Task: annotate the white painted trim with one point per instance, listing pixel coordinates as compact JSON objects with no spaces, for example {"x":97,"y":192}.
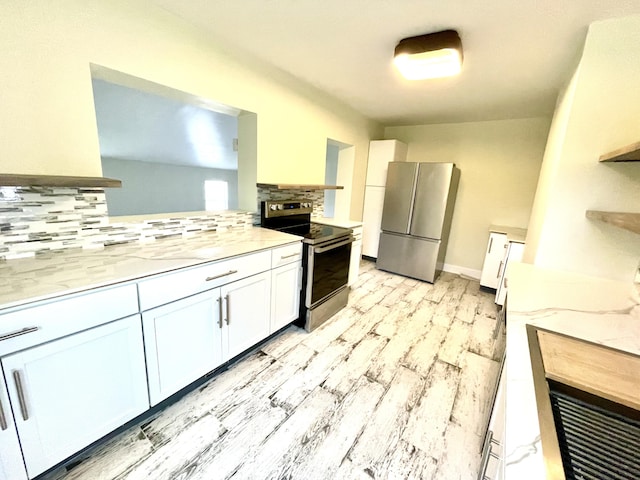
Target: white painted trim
{"x":467,"y":272}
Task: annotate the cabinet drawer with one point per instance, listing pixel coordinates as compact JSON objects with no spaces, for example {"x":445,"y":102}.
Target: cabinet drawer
{"x":285,"y":255}
{"x":44,"y":322}
{"x":166,"y":288}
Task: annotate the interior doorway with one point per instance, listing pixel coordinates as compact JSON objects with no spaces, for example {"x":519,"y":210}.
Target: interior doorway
{"x":338,"y":171}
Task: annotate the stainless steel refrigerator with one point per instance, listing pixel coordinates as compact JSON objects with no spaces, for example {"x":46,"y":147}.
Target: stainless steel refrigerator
{"x":416,"y":218}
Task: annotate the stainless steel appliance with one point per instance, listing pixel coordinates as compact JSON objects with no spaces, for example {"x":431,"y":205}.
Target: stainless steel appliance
{"x":416,"y":218}
{"x":325,"y":261}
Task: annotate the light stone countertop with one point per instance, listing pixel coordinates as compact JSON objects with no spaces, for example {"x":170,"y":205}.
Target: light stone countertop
{"x":594,"y":309}
{"x":336,"y":222}
{"x":62,"y":272}
{"x":514,"y":234}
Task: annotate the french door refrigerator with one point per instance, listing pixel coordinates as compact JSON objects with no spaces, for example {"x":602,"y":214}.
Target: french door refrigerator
{"x":416,"y":218}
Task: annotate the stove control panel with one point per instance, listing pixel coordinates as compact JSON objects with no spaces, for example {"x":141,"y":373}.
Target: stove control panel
{"x":281,"y":208}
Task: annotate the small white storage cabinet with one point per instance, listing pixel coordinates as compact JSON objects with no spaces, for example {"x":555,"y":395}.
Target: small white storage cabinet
{"x":494,"y":260}
{"x":68,"y":391}
{"x":286,"y":282}
{"x":228,"y":312}
{"x":506,"y":244}
{"x":513,"y":254}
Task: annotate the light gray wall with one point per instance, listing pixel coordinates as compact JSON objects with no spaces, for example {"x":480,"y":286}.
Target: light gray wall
{"x":161,"y":188}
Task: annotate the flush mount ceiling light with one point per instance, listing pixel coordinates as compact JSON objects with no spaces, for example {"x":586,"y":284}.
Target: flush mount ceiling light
{"x":432,"y":55}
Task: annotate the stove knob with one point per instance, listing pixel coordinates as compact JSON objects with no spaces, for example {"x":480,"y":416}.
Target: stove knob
{"x":280,"y":206}
{"x":273,"y":207}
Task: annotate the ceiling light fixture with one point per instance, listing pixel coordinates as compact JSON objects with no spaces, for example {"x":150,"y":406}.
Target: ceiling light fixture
{"x":432,"y":55}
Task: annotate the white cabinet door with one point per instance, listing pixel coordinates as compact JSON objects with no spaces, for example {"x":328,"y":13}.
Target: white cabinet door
{"x":381,"y":152}
{"x":515,"y":251}
{"x":285,"y":295}
{"x":11,"y":464}
{"x":74,"y":390}
{"x":246,"y":313}
{"x":494,"y":260}
{"x":371,"y":220}
{"x":183,"y":342}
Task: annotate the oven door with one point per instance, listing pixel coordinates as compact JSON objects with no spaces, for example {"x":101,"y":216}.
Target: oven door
{"x":328,"y":269}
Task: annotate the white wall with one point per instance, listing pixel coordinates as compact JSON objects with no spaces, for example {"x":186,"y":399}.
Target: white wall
{"x":598,"y":112}
{"x":499,"y":163}
{"x":47,"y":121}
{"x":161,"y":188}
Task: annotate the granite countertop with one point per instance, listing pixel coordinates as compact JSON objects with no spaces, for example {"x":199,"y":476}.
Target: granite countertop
{"x":63,"y":272}
{"x":336,"y":222}
{"x":602,"y":311}
{"x":514,"y":234}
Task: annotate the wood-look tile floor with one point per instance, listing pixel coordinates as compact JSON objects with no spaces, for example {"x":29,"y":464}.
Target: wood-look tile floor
{"x":396,"y":386}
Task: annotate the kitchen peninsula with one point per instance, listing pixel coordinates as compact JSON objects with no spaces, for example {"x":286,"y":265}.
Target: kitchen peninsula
{"x":90,"y":339}
{"x":600,"y":311}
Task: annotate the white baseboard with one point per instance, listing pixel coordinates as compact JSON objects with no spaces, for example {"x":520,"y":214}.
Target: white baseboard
{"x":467,"y":272}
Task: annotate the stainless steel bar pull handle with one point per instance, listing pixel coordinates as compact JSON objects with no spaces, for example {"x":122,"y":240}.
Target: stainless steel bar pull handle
{"x":220,"y":312}
{"x":490,"y":244}
{"x":3,"y":419}
{"x":215,"y":277}
{"x":17,"y":333}
{"x":332,"y":246}
{"x":499,"y":269}
{"x":21,"y":397}
{"x":282,"y":257}
{"x":228,"y":309}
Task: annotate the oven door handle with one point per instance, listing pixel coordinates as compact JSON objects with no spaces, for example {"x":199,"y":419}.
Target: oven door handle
{"x":332,"y":246}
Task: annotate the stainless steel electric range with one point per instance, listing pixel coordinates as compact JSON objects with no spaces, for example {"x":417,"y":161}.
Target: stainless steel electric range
{"x":325,"y":260}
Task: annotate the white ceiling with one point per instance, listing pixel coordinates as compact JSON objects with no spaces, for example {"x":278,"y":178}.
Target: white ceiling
{"x":517,"y":54}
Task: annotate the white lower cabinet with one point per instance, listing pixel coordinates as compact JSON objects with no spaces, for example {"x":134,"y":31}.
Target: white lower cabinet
{"x":285,"y":295}
{"x":247,"y":313}
{"x":72,"y":391}
{"x":183,"y":342}
{"x":11,"y":464}
{"x":188,"y":338}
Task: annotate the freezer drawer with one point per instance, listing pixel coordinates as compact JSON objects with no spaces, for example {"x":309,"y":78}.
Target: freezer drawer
{"x":410,"y":256}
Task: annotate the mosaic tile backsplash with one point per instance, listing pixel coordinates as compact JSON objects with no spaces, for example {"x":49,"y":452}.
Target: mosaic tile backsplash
{"x":37,"y":219}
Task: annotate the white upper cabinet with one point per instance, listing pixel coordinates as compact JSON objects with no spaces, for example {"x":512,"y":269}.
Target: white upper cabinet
{"x":381,"y":152}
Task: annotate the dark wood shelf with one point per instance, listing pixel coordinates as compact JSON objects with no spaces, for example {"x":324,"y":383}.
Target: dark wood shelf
{"x":626,"y":220}
{"x":288,"y":186}
{"x":630,"y":153}
{"x":11,"y":180}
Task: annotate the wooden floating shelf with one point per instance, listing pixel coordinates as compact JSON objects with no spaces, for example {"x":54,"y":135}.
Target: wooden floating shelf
{"x":630,"y":153}
{"x":625,"y":220}
{"x":11,"y":180}
{"x":288,"y":186}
